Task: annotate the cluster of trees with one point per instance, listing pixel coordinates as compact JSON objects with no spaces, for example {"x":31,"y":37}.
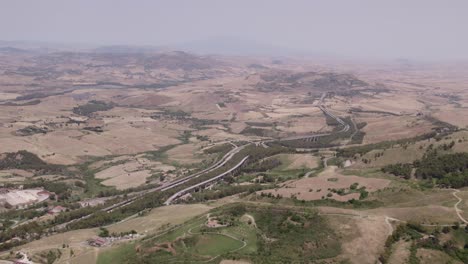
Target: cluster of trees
{"x":408,"y":232}
{"x":104,"y":232}
{"x":26,"y":214}
{"x":31,"y":130}
{"x":267,"y":178}
{"x":455,"y":180}
{"x":259,"y":124}
{"x":264,"y":165}
{"x":5,"y":224}
{"x":186,"y":117}
{"x":28,"y":161}
{"x":353,"y":188}
{"x":224,"y":191}
{"x":358,"y":137}
{"x":363,"y":194}
{"x":436,"y":166}
{"x":223,"y":148}
{"x":351,"y":152}
{"x":255,"y":131}
{"x":33,"y":102}
{"x":31,"y":96}
{"x":450,"y":170}
{"x":91,"y":107}
{"x":270,"y":195}
{"x":439,"y":124}
{"x":100,"y":218}
{"x":65,"y":217}
{"x":257,"y":153}
{"x":399,"y":169}
{"x":179,"y":114}
{"x":202,"y":138}
{"x":361,"y":125}
{"x":20,"y":234}
{"x":236,"y":210}
{"x":449,"y":146}
{"x":53,"y":255}
{"x":296,"y":233}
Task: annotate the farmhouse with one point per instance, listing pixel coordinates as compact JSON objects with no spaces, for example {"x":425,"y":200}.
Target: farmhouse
{"x":56,"y":209}
{"x":97,"y":242}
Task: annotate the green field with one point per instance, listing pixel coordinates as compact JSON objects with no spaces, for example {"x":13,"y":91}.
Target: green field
{"x":258,"y":234}
{"x":124,"y":254}
{"x":213,"y":245}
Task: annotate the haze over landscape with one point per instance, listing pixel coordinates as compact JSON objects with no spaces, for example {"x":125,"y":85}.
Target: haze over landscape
{"x":233,"y":132}
{"x":421,"y":29}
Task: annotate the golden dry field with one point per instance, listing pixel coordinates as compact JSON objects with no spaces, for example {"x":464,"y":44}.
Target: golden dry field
{"x":117,"y":128}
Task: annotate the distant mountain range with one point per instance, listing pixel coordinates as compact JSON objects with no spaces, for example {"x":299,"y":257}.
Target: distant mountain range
{"x":218,"y":45}
{"x":234,"y":46}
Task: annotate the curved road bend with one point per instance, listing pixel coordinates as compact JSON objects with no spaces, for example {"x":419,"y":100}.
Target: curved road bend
{"x":182,"y":192}
{"x":217,"y":165}
{"x":327,"y":112}
{"x":168,"y":186}
{"x":178,"y":182}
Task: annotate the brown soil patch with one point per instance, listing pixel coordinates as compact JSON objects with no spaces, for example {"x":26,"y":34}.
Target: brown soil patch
{"x":400,"y":252}
{"x":173,"y":214}
{"x":424,"y":214}
{"x":381,"y":128}
{"x":129,"y":180}
{"x":298,"y":161}
{"x":454,"y":116}
{"x":132,"y":173}
{"x":184,"y":154}
{"x":317,"y":187}
{"x":365,"y":238}
{"x":145,"y":100}
{"x":429,"y":256}
{"x":394,"y":103}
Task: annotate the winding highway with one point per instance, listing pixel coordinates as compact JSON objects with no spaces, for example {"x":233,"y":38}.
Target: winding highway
{"x":180,"y":181}
{"x":203,"y":183}
{"x":134,"y":196}
{"x":224,"y":160}
{"x":314,"y":137}
{"x":217,"y":165}
{"x":227,"y":157}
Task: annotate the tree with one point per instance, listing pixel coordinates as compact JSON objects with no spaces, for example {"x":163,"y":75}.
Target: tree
{"x":445,"y":230}
{"x":103,"y":232}
{"x":363,"y":194}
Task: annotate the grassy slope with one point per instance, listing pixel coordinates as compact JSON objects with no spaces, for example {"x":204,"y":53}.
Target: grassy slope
{"x":276,"y":238}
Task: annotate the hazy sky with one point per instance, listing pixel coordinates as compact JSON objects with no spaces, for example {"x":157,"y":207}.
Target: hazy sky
{"x":366,"y":28}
